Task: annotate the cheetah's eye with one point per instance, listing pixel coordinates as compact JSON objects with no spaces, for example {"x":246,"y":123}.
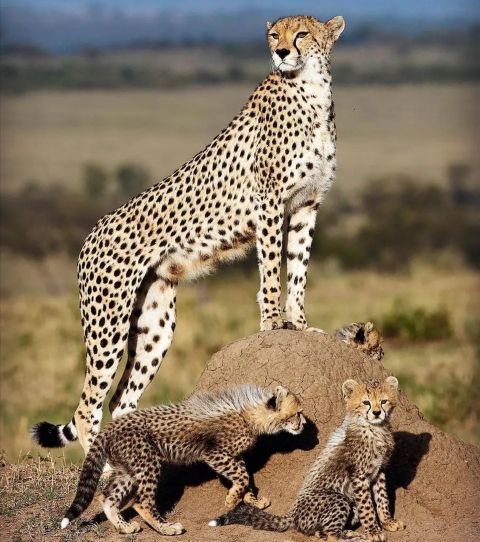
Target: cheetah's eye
{"x":274,"y":35}
{"x":302,"y":34}
{"x":366,"y":403}
{"x":383,"y":401}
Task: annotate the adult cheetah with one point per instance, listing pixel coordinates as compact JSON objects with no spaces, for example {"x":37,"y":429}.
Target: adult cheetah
{"x":272,"y":164}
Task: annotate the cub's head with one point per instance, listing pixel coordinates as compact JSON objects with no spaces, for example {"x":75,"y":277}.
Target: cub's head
{"x":372,"y":400}
{"x":280,"y":412}
{"x":295,"y":40}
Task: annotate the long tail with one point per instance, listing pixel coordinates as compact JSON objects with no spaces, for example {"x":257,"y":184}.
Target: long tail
{"x":49,"y":435}
{"x":89,"y":477}
{"x":245,"y":514}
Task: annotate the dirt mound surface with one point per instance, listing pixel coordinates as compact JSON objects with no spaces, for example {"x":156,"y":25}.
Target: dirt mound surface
{"x":434,"y":479}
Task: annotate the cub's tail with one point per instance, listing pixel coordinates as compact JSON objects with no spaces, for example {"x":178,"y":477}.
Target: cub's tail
{"x":49,"y":435}
{"x":91,"y":471}
{"x":245,"y":514}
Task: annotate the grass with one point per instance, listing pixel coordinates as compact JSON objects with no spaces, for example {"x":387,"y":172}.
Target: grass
{"x":42,"y":357}
{"x":411,"y":129}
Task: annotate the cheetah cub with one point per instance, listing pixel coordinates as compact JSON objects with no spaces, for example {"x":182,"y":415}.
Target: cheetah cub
{"x":364,"y":337}
{"x":215,"y":428}
{"x":348,"y":477}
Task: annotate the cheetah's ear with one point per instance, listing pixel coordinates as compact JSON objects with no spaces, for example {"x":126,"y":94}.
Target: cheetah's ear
{"x":279,"y":394}
{"x":369,"y":327}
{"x":335,"y":26}
{"x":348,"y":387}
{"x":392,"y":382}
{"x":269,"y":25}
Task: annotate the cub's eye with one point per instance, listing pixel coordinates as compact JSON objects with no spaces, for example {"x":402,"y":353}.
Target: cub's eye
{"x":302,"y":34}
{"x":366,"y":402}
{"x":274,"y":35}
{"x":383,"y":401}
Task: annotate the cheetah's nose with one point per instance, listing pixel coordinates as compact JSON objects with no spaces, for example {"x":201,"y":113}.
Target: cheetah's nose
{"x":376,"y":413}
{"x":282,"y":53}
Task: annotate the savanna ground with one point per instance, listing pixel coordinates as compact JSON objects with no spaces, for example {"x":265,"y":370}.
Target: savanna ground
{"x":46,"y":139}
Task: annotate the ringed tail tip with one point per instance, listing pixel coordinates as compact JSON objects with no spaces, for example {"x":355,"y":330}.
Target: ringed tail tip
{"x":65,"y":523}
{"x":49,"y":435}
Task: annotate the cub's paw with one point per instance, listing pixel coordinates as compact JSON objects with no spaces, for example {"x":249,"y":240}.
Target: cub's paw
{"x":393,"y":525}
{"x":130,"y":528}
{"x":376,"y":536}
{"x":271,"y":323}
{"x":231,"y":501}
{"x":260,"y":503}
{"x":171,"y":529}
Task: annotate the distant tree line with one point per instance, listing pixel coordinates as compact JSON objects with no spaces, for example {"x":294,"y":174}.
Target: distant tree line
{"x":26,"y":68}
{"x":399,"y":218}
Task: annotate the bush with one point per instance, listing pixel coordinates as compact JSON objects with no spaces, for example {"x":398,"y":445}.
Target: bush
{"x":416,"y":323}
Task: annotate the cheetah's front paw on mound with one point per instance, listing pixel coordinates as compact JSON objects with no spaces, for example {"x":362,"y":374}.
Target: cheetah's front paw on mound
{"x":393,"y":525}
{"x":260,"y":503}
{"x":271,"y":323}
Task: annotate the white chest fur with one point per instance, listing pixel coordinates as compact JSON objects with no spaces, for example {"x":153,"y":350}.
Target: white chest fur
{"x":317,"y":170}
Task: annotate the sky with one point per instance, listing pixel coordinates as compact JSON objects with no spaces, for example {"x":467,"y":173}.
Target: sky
{"x":67,"y":25}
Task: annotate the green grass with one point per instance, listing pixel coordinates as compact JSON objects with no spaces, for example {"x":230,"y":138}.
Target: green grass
{"x":42,"y":357}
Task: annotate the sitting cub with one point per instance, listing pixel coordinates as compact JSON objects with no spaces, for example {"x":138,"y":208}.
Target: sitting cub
{"x":348,"y":477}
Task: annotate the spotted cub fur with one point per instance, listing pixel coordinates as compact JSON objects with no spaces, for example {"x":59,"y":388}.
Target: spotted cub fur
{"x":348,"y":477}
{"x":364,"y":337}
{"x":215,"y":428}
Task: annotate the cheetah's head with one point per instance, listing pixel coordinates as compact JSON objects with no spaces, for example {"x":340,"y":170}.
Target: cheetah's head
{"x":280,"y":412}
{"x":295,"y":40}
{"x":372,"y":400}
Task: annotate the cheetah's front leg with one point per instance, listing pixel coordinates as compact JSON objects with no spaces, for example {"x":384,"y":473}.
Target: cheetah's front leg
{"x":366,"y":509}
{"x":300,"y":235}
{"x":383,"y":510}
{"x":235,"y":470}
{"x":270,"y":212}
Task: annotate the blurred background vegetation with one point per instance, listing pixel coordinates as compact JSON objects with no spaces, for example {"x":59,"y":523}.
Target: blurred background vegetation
{"x":100,"y":101}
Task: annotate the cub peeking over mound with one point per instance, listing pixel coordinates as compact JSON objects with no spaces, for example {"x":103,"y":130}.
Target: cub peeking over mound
{"x":215,"y":428}
{"x":348,"y":477}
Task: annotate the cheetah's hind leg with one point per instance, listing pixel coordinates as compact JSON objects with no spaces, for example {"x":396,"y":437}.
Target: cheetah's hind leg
{"x":118,"y":495}
{"x":147,"y":469}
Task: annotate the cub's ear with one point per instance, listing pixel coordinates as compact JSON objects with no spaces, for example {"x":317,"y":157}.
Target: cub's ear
{"x":360,"y":335}
{"x":348,"y":387}
{"x":279,"y":394}
{"x":369,"y":327}
{"x":392,"y":382}
{"x":335,"y":26}
{"x":269,"y":25}
{"x":271,"y":404}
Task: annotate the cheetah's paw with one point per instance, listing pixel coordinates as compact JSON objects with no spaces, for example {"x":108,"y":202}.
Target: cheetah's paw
{"x":260,"y":503}
{"x":271,"y":323}
{"x":130,"y":528}
{"x":171,"y":529}
{"x":393,"y":525}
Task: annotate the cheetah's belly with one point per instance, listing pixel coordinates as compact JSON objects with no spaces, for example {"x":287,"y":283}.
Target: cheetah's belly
{"x":201,"y":255}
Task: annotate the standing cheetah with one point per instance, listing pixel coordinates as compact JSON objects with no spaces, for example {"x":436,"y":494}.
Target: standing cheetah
{"x":216,"y":428}
{"x":272,"y":165}
{"x":348,"y":477}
